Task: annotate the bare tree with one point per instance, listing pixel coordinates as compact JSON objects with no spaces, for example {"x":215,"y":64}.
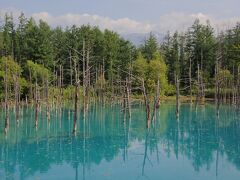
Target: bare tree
{"x":177,"y":97}
{"x":17,"y":95}
{"x":6,"y":99}
{"x":128,"y":90}
{"x":156,"y":101}
{"x":36,"y":98}
{"x":77,"y":82}
{"x":47,"y":100}
{"x":190,"y":79}
{"x":147,"y":104}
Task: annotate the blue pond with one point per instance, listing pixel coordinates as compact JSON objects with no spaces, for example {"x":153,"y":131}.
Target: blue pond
{"x":198,"y":146}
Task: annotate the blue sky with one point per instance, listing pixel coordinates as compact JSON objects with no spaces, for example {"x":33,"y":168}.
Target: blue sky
{"x":128,"y":16}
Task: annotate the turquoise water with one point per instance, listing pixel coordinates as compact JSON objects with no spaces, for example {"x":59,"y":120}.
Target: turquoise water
{"x":198,"y":146}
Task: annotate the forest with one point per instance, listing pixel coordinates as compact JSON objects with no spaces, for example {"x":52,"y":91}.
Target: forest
{"x":46,"y":66}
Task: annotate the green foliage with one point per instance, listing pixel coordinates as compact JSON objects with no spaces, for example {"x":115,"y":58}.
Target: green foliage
{"x":13,"y":72}
{"x":38,"y":71}
{"x":230,"y":47}
{"x":175,"y":55}
{"x":225,"y":78}
{"x":140,"y":66}
{"x":170,"y":90}
{"x":13,"y":69}
{"x":111,"y":41}
{"x":152,"y":71}
{"x":150,"y":47}
{"x":193,"y":48}
{"x":8,"y":35}
{"x":201,"y":45}
{"x":158,"y":70}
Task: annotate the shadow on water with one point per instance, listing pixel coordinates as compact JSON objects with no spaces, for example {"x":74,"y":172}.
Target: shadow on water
{"x":106,"y":146}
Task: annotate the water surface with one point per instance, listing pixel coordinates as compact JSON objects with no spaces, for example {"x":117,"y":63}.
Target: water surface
{"x":198,"y":146}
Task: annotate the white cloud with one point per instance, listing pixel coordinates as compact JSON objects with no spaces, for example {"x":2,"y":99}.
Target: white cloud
{"x":172,"y":21}
{"x":181,"y":21}
{"x":122,"y":25}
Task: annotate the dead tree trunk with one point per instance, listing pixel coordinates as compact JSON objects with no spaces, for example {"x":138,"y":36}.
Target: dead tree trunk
{"x":238,"y":87}
{"x":202,"y":95}
{"x":124,"y":100}
{"x":217,"y":89}
{"x":71,"y":74}
{"x":84,"y":72}
{"x":17,"y":89}
{"x":198,"y":86}
{"x":103,"y":84}
{"x":87,"y":80}
{"x":76,"y":107}
{"x":36,"y":104}
{"x":61,"y":79}
{"x":31,"y":86}
{"x":47,"y":102}
{"x":177,"y":97}
{"x":76,"y":98}
{"x":201,"y":84}
{"x":190,"y":80}
{"x":128,"y":98}
{"x":216,"y":84}
{"x":6,"y":99}
{"x":147,"y":104}
{"x":156,"y":101}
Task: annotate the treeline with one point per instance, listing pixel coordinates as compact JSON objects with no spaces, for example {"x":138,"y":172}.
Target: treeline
{"x":37,"y":60}
{"x":206,"y":61}
{"x":57,"y":51}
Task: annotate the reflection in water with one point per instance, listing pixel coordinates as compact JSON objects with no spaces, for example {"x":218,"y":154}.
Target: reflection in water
{"x":199,"y":145}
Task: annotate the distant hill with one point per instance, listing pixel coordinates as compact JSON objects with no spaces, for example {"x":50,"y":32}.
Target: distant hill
{"x":138,"y":38}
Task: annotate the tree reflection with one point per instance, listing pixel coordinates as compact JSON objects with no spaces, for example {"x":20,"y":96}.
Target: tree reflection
{"x":200,"y":136}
